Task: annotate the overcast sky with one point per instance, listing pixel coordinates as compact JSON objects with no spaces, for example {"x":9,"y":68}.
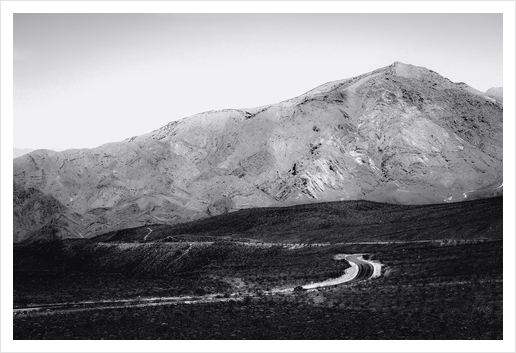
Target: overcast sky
{"x":81,"y":80}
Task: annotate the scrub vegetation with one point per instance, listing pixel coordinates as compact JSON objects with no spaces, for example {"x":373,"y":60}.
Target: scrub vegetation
{"x":449,"y":287}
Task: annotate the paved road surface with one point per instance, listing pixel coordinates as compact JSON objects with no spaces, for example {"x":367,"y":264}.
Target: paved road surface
{"x":365,"y":269}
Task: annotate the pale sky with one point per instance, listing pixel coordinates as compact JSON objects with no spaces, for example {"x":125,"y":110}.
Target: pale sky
{"x":82,"y":80}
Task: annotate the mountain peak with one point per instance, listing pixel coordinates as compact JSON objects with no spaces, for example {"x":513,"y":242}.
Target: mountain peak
{"x":399,"y":63}
{"x":409,"y":71}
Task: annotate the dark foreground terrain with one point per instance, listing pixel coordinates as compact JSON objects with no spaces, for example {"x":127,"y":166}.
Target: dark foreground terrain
{"x":446,"y":284}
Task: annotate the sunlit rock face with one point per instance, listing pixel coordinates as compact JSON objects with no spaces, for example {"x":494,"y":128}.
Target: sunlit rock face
{"x":401,"y":134}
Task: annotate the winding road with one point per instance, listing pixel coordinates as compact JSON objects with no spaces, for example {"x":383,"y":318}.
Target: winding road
{"x":145,"y":237}
{"x":360,"y":270}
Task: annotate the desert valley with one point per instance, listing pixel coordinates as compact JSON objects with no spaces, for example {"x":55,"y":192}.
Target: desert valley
{"x":367,"y":208}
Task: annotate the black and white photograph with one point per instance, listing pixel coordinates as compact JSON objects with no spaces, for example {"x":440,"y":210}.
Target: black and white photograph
{"x":291,"y":173}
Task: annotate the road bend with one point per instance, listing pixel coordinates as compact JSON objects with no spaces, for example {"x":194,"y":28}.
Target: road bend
{"x":365,"y":268}
{"x":360,"y":270}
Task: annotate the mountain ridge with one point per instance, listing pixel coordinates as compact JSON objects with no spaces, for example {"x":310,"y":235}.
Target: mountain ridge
{"x":401,"y":133}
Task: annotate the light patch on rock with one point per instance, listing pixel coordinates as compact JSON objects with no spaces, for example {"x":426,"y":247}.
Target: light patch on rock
{"x":459,"y":138}
{"x":373,"y":165}
{"x":179,"y":148}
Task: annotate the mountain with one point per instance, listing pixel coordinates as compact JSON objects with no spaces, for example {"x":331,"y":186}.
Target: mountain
{"x":399,"y":134}
{"x":37,"y":216}
{"x":17,"y":152}
{"x":496,"y":93}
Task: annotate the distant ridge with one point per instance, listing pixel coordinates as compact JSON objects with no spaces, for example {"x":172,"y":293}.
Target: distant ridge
{"x":17,"y":152}
{"x":496,"y":93}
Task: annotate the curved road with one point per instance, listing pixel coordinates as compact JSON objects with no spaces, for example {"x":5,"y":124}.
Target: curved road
{"x":360,"y":270}
{"x":365,"y":269}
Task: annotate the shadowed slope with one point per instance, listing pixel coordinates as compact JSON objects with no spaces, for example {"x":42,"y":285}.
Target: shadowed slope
{"x":346,"y":221}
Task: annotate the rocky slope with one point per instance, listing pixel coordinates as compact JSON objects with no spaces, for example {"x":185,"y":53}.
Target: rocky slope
{"x":401,"y":134}
{"x":39,"y":216}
